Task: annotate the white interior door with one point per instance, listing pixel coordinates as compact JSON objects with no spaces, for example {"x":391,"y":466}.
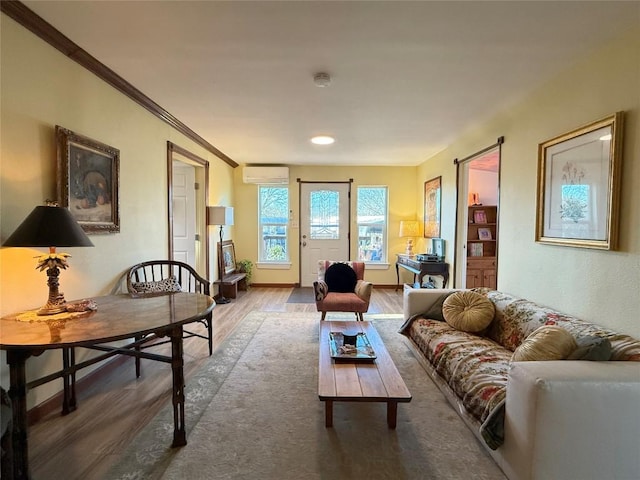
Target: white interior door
{"x":184,"y":213}
{"x":324,"y":226}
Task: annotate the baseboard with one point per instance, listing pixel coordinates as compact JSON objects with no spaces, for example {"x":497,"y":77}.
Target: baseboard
{"x":297,"y":285}
{"x":54,"y":403}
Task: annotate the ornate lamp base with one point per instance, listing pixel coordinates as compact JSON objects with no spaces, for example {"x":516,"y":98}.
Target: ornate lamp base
{"x":56,"y":302}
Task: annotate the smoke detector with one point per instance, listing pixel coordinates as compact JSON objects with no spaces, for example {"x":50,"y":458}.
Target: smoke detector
{"x":322,"y":79}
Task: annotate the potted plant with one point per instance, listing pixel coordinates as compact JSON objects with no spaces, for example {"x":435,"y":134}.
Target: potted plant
{"x":245,"y":266}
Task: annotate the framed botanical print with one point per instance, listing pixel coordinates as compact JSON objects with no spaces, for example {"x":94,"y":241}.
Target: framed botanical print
{"x":432,"y":196}
{"x":579,"y":186}
{"x":88,"y":181}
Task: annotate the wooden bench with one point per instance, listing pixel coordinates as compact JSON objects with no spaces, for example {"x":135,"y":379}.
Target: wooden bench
{"x":230,"y":284}
{"x":230,"y":278}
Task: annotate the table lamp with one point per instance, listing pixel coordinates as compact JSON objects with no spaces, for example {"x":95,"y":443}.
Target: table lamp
{"x":50,"y":226}
{"x":220,"y":216}
{"x":409,"y":229}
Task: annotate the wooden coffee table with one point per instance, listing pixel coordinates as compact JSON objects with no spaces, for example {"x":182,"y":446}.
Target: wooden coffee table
{"x":374,"y":381}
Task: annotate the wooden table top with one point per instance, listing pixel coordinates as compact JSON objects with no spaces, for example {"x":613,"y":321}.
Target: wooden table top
{"x":117,"y":317}
{"x":358,"y":381}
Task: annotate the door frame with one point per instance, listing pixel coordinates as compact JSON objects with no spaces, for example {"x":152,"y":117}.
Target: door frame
{"x":462,"y":226}
{"x":179,"y":154}
{"x":300,"y":182}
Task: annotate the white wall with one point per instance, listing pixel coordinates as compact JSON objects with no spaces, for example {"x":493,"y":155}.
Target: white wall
{"x":485,"y":184}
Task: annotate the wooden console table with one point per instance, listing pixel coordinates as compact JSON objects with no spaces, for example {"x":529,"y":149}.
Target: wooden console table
{"x":409,"y":262}
{"x":119,"y":317}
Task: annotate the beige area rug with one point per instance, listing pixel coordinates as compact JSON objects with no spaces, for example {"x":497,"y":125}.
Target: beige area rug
{"x":253,"y":413}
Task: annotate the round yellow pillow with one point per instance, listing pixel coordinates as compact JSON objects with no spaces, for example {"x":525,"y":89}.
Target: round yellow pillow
{"x":548,"y":342}
{"x":468,"y":311}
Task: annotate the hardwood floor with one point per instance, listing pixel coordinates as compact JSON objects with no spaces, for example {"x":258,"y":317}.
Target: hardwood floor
{"x":85,"y":443}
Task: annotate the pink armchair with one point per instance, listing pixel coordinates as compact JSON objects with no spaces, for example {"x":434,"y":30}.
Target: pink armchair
{"x":341,"y":288}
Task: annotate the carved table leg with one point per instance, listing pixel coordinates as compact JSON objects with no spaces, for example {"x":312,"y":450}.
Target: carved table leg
{"x":69,"y":403}
{"x":177,"y":363}
{"x":18,"y":395}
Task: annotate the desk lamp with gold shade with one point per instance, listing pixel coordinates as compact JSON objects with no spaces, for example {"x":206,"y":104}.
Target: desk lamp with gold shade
{"x":50,"y":226}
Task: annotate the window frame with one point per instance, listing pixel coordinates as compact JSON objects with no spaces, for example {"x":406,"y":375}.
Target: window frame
{"x":384,"y":257}
{"x":261,"y":250}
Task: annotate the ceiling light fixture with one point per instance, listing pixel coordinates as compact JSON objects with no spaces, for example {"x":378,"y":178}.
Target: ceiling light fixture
{"x":322,"y":140}
{"x":322,"y":79}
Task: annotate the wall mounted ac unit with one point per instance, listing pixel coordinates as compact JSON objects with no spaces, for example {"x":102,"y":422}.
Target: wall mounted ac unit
{"x":266,"y":175}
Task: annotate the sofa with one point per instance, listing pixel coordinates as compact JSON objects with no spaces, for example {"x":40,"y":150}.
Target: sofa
{"x":562,"y":419}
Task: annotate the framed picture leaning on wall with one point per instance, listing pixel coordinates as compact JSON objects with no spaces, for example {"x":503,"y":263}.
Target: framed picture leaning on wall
{"x":88,"y":181}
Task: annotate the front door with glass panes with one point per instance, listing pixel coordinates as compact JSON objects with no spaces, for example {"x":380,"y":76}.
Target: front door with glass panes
{"x":324,"y":226}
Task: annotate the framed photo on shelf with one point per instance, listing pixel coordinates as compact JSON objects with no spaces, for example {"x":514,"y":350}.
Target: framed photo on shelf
{"x":579,"y":186}
{"x":88,"y":180}
{"x":432,"y":197}
{"x":479,"y":216}
{"x":484,"y":234}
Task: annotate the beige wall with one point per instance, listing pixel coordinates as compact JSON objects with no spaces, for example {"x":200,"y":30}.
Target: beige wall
{"x":41,"y":88}
{"x":402,"y":201}
{"x":601,"y":286}
{"x":595,"y":285}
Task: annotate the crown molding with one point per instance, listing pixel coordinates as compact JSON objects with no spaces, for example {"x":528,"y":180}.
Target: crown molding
{"x":38,"y":26}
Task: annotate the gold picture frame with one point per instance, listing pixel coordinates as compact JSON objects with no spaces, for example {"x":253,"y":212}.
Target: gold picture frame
{"x":579,"y":186}
{"x":432,"y":207}
{"x":88,"y":181}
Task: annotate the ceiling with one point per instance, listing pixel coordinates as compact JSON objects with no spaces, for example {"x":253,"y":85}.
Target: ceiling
{"x":407,"y":78}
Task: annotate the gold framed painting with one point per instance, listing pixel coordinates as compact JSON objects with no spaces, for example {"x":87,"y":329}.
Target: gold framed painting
{"x":579,"y":186}
{"x":88,"y":181}
{"x":432,"y":208}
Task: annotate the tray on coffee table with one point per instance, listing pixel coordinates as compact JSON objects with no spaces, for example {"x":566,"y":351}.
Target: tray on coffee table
{"x":362,"y":351}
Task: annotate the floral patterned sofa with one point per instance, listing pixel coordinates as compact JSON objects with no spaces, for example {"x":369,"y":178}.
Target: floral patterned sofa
{"x":560,"y":419}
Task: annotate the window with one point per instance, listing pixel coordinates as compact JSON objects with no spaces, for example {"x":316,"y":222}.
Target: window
{"x":324,"y":215}
{"x":273,"y":216}
{"x":372,"y":224}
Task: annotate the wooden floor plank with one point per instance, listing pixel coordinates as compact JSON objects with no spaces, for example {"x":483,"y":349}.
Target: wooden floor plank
{"x":84,"y":444}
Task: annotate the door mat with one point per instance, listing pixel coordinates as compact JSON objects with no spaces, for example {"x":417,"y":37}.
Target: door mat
{"x":302,"y":295}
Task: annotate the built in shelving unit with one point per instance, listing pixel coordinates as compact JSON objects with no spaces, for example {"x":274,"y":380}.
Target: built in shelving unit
{"x":482,"y":240}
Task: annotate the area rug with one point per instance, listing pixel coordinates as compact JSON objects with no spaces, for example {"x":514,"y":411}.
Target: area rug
{"x":253,"y":412}
{"x":302,"y":295}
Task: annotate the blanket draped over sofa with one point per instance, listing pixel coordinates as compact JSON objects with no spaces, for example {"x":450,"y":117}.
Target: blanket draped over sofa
{"x":475,"y":367}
